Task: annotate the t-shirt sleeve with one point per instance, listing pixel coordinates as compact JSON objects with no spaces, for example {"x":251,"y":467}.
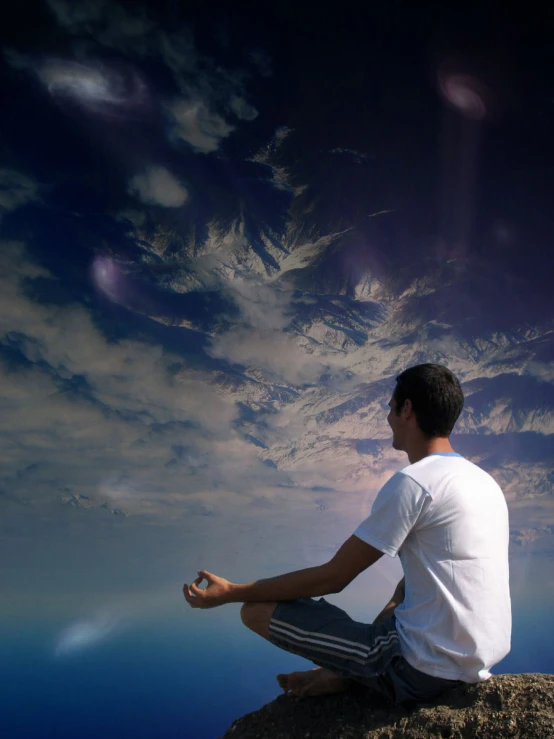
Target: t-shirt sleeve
{"x":393,"y":514}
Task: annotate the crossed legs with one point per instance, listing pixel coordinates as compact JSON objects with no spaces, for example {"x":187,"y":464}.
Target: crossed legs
{"x":298,"y":685}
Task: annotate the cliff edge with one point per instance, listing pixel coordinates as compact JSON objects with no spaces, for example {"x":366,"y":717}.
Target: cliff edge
{"x":504,"y":706}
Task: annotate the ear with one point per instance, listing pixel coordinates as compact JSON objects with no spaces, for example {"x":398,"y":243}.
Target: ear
{"x":408,"y":409}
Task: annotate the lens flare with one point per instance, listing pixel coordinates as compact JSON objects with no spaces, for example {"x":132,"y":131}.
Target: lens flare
{"x":109,"y":278}
{"x":124,"y":289}
{"x":468,"y":94}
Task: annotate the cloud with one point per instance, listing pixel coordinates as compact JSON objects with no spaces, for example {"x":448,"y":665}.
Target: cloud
{"x":115,"y":89}
{"x":206,"y":87}
{"x":242,"y":109}
{"x":262,"y":61}
{"x":92,"y":413}
{"x":109,"y":22}
{"x":357,"y":156}
{"x":262,"y":306}
{"x":157,"y":186}
{"x":257,"y":338}
{"x":75,"y":79}
{"x":194,"y":123}
{"x":274,"y":353}
{"x":16,"y":189}
{"x":85,"y":634}
{"x":542,"y":370}
{"x":126,"y":425}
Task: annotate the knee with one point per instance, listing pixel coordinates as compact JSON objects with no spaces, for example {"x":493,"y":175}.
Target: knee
{"x":247,"y":611}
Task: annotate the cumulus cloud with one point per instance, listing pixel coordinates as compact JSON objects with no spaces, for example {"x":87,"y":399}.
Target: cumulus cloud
{"x":157,"y":186}
{"x":194,"y":123}
{"x":258,"y":339}
{"x":242,"y":109}
{"x":272,"y":352}
{"x":16,"y":189}
{"x":262,"y":306}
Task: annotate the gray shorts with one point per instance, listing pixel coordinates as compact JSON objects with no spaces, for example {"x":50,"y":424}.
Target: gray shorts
{"x":328,"y":637}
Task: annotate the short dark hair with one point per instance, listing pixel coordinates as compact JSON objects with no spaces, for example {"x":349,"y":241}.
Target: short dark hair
{"x":436,"y":395}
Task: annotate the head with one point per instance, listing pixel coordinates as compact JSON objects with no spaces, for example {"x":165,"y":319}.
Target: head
{"x":425,"y":405}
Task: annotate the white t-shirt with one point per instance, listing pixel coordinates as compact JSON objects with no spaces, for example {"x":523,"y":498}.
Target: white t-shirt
{"x":447,"y":520}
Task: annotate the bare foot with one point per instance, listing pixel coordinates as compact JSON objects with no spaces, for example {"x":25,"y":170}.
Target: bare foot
{"x":318,"y":681}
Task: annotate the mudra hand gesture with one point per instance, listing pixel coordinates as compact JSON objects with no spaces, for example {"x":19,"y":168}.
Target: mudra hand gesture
{"x":216,"y":593}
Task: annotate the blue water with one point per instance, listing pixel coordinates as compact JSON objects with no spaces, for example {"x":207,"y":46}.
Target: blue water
{"x":154,"y":681}
{"x":165,"y":679}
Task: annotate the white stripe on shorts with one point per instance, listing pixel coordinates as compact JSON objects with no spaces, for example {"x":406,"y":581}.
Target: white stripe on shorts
{"x":334,"y":644}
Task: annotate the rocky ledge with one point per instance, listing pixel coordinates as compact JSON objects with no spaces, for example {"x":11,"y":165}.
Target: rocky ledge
{"x":504,"y":706}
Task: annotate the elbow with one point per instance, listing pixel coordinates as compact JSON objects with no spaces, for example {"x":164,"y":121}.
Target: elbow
{"x":338,"y":587}
{"x":331,"y":583}
{"x":333,"y":588}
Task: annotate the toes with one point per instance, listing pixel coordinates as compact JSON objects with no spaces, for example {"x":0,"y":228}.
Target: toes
{"x":294,"y":684}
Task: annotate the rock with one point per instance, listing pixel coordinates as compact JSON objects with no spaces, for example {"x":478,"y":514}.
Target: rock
{"x":503,"y":707}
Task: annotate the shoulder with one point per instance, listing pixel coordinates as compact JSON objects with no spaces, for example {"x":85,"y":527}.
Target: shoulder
{"x":400,"y":492}
{"x":401,"y":481}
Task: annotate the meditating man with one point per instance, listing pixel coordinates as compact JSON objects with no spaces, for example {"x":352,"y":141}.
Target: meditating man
{"x":449,"y":620}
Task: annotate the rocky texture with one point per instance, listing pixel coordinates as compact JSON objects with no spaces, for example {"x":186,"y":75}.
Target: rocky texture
{"x":503,"y":707}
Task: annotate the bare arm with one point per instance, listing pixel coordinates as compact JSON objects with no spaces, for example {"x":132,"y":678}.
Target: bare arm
{"x":396,"y":600}
{"x":308,"y":583}
{"x":300,"y":584}
{"x":353,"y":557}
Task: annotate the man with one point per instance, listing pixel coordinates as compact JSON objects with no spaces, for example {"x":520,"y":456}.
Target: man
{"x":449,"y":620}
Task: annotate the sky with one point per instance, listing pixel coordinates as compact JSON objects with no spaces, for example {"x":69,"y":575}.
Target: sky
{"x":223,"y":234}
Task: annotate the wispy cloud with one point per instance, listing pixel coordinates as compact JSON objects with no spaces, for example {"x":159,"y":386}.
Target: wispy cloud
{"x":110,"y":23}
{"x":16,"y":189}
{"x":85,"y":634}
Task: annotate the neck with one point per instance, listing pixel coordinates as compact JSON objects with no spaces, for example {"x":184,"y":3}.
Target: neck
{"x":428,"y":447}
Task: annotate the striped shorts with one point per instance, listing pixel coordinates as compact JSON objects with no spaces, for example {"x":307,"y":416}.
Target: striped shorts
{"x":328,"y":637}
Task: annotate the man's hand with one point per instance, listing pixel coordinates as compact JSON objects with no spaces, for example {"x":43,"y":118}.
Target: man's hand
{"x":215,"y":594}
{"x":396,"y":600}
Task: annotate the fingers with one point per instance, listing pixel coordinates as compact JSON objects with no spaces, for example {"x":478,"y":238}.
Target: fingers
{"x":193,"y":594}
{"x":189,"y":597}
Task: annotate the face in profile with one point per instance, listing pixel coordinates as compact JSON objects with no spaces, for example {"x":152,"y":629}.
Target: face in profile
{"x":392,"y":421}
{"x":395,"y":422}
